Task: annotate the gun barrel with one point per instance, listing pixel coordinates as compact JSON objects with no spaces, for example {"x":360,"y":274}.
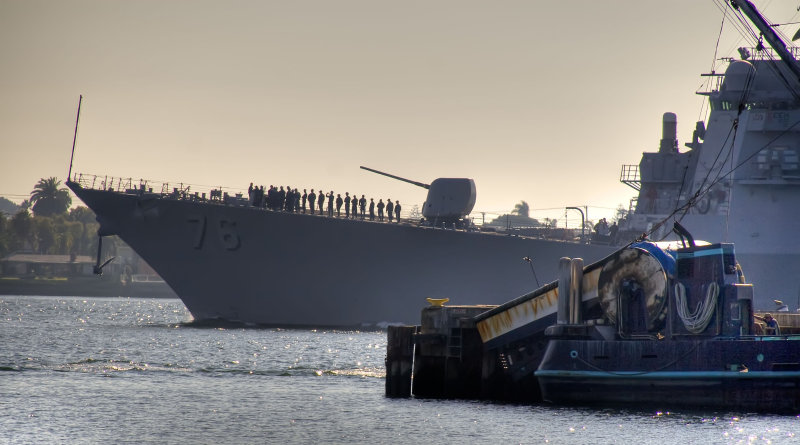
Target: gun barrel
{"x":418,"y":184}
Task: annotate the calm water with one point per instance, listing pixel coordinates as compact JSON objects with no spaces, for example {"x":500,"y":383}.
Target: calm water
{"x":76,"y":370}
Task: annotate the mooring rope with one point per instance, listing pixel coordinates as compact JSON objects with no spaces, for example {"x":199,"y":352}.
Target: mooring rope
{"x":697,"y":321}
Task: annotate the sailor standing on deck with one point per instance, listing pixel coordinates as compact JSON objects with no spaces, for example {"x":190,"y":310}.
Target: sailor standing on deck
{"x":321,"y":202}
{"x":289,"y":204}
{"x":305,"y":197}
{"x":397,"y":210}
{"x":346,"y":205}
{"x":601,"y":227}
{"x":354,"y":206}
{"x":312,"y":198}
{"x":390,"y":209}
{"x":330,"y":203}
{"x":338,"y":205}
{"x":362,"y":204}
{"x":371,"y":209}
{"x":381,"y":205}
{"x":612,"y":232}
{"x":271,"y":194}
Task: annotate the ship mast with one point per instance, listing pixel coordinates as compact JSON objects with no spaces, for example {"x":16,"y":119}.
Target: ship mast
{"x":769,"y":34}
{"x":74,"y":138}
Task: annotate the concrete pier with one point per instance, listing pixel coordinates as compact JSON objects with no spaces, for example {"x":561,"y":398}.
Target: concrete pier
{"x":488,"y":352}
{"x":446,"y":359}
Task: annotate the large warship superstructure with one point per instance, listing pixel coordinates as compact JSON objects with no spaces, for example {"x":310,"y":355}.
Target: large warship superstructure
{"x":230,"y":260}
{"x":740,"y":179}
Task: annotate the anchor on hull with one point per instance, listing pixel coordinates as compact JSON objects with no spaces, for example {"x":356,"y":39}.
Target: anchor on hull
{"x":98,"y":268}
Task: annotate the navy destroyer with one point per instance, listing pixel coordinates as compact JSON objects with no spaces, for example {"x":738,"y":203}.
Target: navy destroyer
{"x":739,"y":180}
{"x":232,"y":261}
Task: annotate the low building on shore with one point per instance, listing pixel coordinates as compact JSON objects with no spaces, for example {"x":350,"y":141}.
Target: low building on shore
{"x":34,"y":264}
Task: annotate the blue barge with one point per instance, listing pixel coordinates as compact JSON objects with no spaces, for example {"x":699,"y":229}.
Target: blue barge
{"x":686,"y":341}
{"x":652,"y":325}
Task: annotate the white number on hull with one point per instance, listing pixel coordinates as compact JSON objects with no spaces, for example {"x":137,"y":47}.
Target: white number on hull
{"x":228,"y":235}
{"x":199,"y":229}
{"x":226,"y":232}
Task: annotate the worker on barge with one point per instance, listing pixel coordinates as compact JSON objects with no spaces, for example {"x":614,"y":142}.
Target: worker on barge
{"x":770,"y":325}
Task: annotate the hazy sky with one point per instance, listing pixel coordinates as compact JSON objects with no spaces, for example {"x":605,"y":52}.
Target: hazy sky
{"x":540,"y":101}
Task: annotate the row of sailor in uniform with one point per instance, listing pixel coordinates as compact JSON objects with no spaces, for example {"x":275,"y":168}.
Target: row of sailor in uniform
{"x":290,"y":200}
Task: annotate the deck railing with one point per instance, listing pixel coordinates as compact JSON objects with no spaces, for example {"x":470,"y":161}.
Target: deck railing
{"x":161,"y":189}
{"x":232,"y":197}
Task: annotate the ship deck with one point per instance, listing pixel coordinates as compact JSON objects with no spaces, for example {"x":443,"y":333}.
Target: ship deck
{"x":226,"y":196}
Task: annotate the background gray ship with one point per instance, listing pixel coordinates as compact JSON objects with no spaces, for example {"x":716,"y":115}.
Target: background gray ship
{"x":740,"y":179}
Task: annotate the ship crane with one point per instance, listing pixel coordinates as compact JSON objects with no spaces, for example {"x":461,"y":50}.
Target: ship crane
{"x":769,"y":34}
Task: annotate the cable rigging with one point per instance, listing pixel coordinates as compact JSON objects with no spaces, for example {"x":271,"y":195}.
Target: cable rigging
{"x":716,"y":172}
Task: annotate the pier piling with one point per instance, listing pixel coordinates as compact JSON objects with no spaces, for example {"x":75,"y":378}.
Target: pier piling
{"x":399,"y":360}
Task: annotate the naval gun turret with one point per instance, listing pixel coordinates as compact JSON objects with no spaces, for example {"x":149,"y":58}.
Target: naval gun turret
{"x":449,"y":200}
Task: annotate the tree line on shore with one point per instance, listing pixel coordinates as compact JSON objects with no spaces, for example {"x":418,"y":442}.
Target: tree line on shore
{"x":45,"y":224}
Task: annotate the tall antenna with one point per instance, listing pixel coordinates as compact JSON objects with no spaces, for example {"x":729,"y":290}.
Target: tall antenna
{"x":74,"y":138}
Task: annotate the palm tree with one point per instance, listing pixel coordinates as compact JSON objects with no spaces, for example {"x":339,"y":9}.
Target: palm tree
{"x":48,"y":198}
{"x":522,"y":209}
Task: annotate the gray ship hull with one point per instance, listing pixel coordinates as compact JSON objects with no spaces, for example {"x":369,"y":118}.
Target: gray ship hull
{"x":245,"y":264}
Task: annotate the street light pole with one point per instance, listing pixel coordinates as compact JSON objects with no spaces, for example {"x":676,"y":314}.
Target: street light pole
{"x":583,"y":222}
